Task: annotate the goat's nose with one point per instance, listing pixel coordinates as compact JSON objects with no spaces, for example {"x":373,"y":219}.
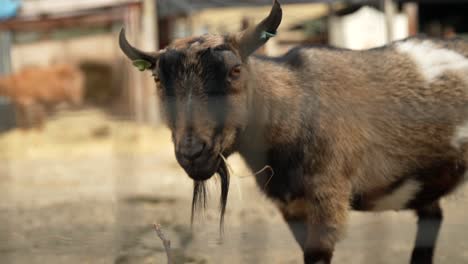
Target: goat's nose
{"x":191,"y":148}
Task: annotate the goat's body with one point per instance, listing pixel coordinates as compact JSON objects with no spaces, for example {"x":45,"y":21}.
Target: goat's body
{"x":382,"y":129}
{"x":372,"y":113}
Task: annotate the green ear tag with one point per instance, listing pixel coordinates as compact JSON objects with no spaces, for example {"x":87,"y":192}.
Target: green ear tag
{"x":142,"y":64}
{"x":267,"y":35}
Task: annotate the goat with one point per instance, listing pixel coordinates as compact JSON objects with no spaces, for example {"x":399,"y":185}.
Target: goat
{"x":34,"y":90}
{"x":373,"y":130}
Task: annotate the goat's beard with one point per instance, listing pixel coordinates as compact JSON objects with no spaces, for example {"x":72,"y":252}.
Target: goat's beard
{"x":200,"y":194}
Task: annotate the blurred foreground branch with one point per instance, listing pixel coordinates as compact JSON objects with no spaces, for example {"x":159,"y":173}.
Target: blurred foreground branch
{"x":166,"y":242}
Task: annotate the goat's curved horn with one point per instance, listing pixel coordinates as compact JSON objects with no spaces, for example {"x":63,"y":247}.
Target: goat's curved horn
{"x":135,"y":54}
{"x":253,"y":38}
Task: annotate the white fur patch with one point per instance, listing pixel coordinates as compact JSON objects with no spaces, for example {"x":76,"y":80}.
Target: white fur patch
{"x":399,"y":197}
{"x":459,"y":139}
{"x":433,"y":61}
{"x":460,"y":136}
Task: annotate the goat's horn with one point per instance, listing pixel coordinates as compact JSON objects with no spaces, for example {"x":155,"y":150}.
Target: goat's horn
{"x":253,"y":38}
{"x":133,"y":53}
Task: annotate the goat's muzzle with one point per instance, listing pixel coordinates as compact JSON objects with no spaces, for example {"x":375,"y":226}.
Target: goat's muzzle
{"x":197,"y":159}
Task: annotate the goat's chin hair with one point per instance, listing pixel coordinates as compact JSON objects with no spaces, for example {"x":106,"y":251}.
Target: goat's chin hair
{"x":200,"y":195}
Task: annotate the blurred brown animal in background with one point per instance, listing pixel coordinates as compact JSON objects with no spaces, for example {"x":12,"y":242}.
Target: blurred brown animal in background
{"x":37,"y":90}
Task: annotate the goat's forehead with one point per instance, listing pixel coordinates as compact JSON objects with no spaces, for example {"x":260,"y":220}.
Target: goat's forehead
{"x":197,"y":43}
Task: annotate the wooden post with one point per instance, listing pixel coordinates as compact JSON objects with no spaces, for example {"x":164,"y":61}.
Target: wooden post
{"x":7,"y":121}
{"x":411,"y":11}
{"x":389,"y":9}
{"x":330,"y":17}
{"x":5,"y":48}
{"x":150,"y":42}
{"x":7,"y":111}
{"x":133,"y":84}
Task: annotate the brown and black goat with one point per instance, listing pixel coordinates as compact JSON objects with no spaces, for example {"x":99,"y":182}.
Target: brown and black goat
{"x":381,"y":129}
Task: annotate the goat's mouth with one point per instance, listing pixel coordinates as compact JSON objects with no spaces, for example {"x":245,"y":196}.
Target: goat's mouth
{"x":203,"y":169}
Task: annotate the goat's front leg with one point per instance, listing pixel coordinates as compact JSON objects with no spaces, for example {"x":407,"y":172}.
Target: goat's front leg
{"x":294,"y":213}
{"x":327,"y":211}
{"x":39,"y":116}
{"x":429,"y":222}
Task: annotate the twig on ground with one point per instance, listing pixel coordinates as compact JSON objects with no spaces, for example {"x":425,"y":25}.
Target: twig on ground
{"x":166,"y":242}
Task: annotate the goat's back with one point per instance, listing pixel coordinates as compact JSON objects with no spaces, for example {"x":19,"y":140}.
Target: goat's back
{"x":389,"y":110}
{"x":48,"y":85}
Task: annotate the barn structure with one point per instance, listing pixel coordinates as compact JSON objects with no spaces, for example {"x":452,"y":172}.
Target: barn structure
{"x":48,"y":31}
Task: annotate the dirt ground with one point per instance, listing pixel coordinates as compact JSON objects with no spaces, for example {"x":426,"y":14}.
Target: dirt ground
{"x":87,"y":189}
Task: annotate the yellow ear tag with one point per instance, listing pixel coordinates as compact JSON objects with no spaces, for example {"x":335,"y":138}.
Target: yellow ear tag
{"x":142,"y":64}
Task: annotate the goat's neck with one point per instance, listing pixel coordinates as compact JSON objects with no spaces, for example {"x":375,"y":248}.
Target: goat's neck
{"x":270,"y":84}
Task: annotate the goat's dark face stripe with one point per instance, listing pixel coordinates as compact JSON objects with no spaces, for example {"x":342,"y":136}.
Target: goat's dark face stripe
{"x":214,"y":75}
{"x":170,"y":67}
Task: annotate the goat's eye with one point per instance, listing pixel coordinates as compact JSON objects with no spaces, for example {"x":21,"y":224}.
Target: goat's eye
{"x":235,"y":72}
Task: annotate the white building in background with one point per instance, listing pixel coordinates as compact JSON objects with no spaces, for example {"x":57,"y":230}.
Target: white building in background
{"x":365,"y":29}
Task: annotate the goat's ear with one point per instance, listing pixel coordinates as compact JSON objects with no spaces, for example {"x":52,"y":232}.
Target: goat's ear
{"x":142,"y":60}
{"x":253,"y":38}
